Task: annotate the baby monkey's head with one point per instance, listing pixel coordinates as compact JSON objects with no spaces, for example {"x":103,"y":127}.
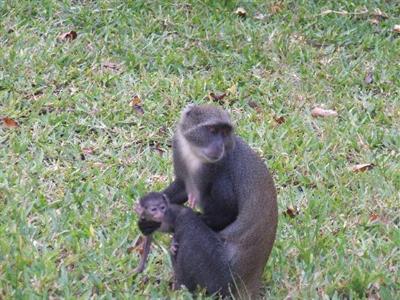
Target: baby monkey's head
{"x":152,"y":207}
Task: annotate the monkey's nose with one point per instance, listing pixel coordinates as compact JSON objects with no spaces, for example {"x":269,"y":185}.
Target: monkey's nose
{"x":215,"y":152}
{"x":158,"y":217}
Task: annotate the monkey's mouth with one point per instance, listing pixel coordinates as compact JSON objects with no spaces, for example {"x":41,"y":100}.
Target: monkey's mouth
{"x":213,"y":156}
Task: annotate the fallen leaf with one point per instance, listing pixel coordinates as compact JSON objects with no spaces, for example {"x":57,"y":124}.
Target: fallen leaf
{"x":99,"y":165}
{"x":368,"y":78}
{"x":396,"y":28}
{"x":162,"y":130}
{"x":136,"y":104}
{"x":373,"y":292}
{"x":156,"y":147}
{"x":137,"y":246}
{"x":35,"y":95}
{"x":68,"y":36}
{"x":232,"y":90}
{"x":276,"y":7}
{"x":135,"y":100}
{"x":320,"y":112}
{"x":379,"y":14}
{"x":291,"y":212}
{"x":111,"y":66}
{"x":87,"y":150}
{"x":362,"y":167}
{"x":259,"y":16}
{"x":373,"y":217}
{"x":253,"y":104}
{"x":241,"y":12}
{"x":10,"y":123}
{"x":217,"y":96}
{"x":279,"y":120}
{"x":374,"y":21}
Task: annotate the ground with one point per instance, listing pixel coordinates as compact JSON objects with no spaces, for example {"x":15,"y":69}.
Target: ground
{"x":89,"y":95}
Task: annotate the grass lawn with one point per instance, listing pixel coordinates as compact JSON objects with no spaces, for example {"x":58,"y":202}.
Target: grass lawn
{"x":85,"y":147}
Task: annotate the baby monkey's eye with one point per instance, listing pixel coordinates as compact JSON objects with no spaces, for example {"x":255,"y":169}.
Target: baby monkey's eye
{"x":162,"y":207}
{"x":153,"y":209}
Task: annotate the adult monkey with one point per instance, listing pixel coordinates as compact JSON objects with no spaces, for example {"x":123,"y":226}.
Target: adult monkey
{"x":219,"y":171}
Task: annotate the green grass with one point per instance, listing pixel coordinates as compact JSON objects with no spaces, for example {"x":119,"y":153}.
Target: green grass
{"x":66,"y":218}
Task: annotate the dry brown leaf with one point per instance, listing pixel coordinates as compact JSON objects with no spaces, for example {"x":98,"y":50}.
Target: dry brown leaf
{"x":68,"y":36}
{"x":369,"y":78}
{"x":259,"y":16}
{"x":111,"y":66}
{"x":253,"y":104}
{"x":241,"y":12}
{"x":136,"y":104}
{"x":155,"y":146}
{"x":396,"y":28}
{"x":362,"y":167}
{"x":374,"y":21}
{"x":276,"y":7}
{"x":379,"y":14}
{"x":135,"y":100}
{"x":280,"y":119}
{"x":87,"y":150}
{"x":320,"y":112}
{"x":158,"y":149}
{"x":373,"y":217}
{"x":291,"y":212}
{"x":217,"y":96}
{"x":232,"y":90}
{"x":138,"y":246}
{"x":10,"y":123}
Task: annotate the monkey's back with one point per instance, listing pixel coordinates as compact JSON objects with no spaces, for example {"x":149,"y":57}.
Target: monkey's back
{"x":251,"y":236}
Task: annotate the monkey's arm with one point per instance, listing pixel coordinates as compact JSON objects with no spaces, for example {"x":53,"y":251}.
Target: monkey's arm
{"x":176,"y":192}
{"x":143,"y":258}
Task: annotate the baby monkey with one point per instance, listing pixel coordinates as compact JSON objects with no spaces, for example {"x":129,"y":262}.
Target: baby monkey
{"x":197,"y":252}
{"x":151,"y":208}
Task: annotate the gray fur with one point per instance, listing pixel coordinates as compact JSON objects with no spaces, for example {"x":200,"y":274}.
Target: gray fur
{"x":240,"y":181}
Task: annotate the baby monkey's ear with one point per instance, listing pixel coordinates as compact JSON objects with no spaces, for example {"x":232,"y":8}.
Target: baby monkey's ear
{"x":139,"y":209}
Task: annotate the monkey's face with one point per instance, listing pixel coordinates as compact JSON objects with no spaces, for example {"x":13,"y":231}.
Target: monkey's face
{"x":208,"y":131}
{"x":210,"y":142}
{"x":153,"y":207}
{"x":155,"y":211}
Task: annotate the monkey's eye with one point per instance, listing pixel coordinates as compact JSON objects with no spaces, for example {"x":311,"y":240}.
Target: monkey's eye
{"x":212,"y":129}
{"x":153,"y":209}
{"x":162,"y":208}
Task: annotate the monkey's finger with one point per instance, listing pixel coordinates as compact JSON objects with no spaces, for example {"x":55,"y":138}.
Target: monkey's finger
{"x":191,"y":201}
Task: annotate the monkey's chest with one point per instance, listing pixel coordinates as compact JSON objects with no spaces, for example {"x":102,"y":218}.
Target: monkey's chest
{"x":193,"y":190}
{"x":215,"y":196}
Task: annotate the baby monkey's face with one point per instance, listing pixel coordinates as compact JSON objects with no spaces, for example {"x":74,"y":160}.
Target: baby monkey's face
{"x":152,"y":207}
{"x":154,"y":210}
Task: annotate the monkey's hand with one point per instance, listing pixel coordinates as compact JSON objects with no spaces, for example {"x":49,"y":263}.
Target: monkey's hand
{"x":148,"y":227}
{"x":192,"y":201}
{"x":173,"y":249}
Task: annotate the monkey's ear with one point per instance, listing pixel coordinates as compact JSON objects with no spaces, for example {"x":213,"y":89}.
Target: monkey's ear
{"x":188,"y":108}
{"x":165,"y":197}
{"x":139,"y":209}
